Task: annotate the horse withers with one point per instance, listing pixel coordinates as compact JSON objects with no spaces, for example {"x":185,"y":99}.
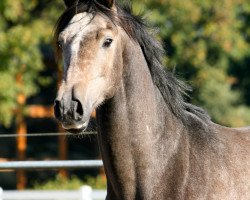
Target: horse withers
{"x":154,"y":145}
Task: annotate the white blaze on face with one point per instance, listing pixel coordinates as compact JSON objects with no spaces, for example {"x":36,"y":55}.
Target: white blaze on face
{"x":79,"y":21}
{"x":72,"y":36}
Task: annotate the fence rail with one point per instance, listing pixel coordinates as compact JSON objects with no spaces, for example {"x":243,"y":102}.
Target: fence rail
{"x":84,"y":193}
{"x":43,"y":134}
{"x":31,"y":165}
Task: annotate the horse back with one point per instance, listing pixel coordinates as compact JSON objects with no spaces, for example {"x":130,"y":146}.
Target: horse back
{"x":234,"y":162}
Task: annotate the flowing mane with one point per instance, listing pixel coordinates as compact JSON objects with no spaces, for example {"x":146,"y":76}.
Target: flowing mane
{"x":172,"y":89}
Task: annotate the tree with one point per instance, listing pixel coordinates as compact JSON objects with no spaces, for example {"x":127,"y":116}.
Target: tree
{"x":208,"y":42}
{"x":25,"y":27}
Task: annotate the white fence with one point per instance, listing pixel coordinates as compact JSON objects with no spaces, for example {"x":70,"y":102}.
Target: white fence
{"x":84,"y":193}
{"x":52,"y":164}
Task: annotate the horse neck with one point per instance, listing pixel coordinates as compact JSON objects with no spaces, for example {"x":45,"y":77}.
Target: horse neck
{"x":137,"y":131}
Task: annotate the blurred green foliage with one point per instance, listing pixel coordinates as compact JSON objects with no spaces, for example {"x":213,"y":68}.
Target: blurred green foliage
{"x":72,"y":183}
{"x":209,"y":44}
{"x":207,"y":41}
{"x":25,"y":26}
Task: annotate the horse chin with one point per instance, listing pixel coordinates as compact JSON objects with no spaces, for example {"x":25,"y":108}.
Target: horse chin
{"x":77,"y":129}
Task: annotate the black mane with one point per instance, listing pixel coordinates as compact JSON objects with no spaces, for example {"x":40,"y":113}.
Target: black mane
{"x":170,"y":87}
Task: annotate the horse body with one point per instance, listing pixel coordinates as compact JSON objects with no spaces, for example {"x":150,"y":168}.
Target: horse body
{"x":149,"y":154}
{"x":153,"y":144}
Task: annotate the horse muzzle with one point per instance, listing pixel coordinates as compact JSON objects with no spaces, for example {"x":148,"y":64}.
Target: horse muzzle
{"x":72,"y":115}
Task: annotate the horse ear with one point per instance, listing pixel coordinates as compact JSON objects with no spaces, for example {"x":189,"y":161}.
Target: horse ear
{"x":107,"y":3}
{"x":69,"y":3}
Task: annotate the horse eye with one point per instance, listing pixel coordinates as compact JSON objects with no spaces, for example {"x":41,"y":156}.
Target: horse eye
{"x":59,"y":44}
{"x":107,"y":43}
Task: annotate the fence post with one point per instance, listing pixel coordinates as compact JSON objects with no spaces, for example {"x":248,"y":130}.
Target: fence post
{"x":86,"y":193}
{"x":1,"y":193}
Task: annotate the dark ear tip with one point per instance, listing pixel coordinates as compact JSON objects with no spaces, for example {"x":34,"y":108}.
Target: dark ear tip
{"x":111,"y":3}
{"x":107,"y":3}
{"x":69,"y":3}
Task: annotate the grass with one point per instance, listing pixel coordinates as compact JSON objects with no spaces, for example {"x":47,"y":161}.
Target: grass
{"x":72,"y":183}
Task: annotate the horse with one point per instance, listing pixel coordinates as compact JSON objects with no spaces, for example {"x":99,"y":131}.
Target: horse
{"x":154,"y":144}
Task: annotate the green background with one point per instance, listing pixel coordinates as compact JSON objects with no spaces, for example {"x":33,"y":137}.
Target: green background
{"x":207,"y":41}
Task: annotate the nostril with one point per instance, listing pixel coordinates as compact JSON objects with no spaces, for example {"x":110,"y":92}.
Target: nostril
{"x":58,"y":109}
{"x":78,"y":110}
